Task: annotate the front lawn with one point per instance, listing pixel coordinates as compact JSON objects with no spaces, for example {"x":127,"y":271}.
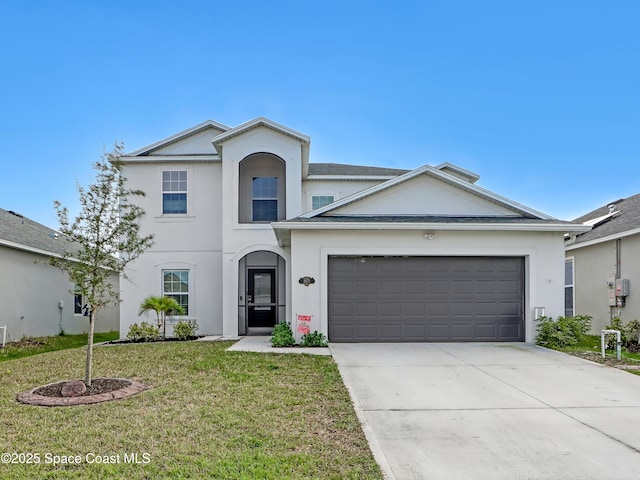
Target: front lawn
{"x":209,"y":414}
{"x":34,"y":345}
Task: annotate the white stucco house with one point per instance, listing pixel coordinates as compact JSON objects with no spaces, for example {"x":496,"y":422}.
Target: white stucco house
{"x":37,"y":299}
{"x":249,"y":232}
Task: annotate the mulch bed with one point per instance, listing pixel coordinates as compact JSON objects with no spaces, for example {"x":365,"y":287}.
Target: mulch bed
{"x":98,"y":386}
{"x":101,"y":390}
{"x":609,"y":361}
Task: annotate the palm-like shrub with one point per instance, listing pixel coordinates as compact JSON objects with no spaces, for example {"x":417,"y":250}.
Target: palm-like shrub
{"x":163,"y":306}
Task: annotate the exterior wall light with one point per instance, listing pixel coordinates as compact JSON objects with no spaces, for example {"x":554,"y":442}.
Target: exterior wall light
{"x":306,"y":281}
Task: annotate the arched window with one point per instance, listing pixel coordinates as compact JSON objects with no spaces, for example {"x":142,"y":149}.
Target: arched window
{"x":262,"y":189}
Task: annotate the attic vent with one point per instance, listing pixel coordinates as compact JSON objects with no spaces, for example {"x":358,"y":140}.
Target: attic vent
{"x":611,"y":207}
{"x":16,"y":214}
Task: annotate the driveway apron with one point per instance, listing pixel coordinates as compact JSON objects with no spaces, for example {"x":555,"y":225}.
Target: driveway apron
{"x":492,"y":411}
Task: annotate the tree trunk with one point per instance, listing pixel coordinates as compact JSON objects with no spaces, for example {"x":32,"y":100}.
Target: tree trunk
{"x":87,"y":371}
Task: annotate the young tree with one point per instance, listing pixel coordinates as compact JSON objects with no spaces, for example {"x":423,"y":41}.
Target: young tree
{"x":103,"y":239}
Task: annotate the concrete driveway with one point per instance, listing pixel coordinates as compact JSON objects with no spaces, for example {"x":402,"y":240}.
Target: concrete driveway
{"x":493,"y":411}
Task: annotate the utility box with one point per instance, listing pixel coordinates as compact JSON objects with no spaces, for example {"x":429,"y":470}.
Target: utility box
{"x":622,"y":287}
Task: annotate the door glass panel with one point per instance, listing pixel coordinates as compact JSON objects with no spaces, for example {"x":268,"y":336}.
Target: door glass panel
{"x":262,"y":287}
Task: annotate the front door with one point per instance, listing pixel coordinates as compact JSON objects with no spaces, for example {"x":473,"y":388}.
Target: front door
{"x":261,"y":297}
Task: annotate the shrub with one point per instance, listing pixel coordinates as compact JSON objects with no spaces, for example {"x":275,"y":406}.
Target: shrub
{"x":628,"y":333}
{"x":185,"y":329}
{"x":563,"y":332}
{"x":315,"y":339}
{"x":145,"y":332}
{"x":282,"y":336}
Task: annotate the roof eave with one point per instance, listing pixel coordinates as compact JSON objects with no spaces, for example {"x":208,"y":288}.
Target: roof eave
{"x":607,"y":238}
{"x":256,"y":123}
{"x":177,"y":137}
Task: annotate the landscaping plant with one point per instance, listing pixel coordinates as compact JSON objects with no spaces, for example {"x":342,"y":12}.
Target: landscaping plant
{"x":282,"y":336}
{"x":185,"y":329}
{"x":145,"y":332}
{"x":314,"y":339}
{"x":628,"y":334}
{"x":163,"y":306}
{"x":102,"y":239}
{"x":563,"y":332}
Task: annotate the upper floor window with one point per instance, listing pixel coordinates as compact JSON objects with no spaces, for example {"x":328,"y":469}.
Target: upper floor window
{"x":261,"y":189}
{"x":174,"y":192}
{"x":264,"y":199}
{"x":318,"y":201}
{"x":569,"y":307}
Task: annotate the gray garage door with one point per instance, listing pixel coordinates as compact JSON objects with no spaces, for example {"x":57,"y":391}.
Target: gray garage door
{"x":426,"y":299}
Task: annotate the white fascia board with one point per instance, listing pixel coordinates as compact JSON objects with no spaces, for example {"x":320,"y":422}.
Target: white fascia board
{"x":178,"y":136}
{"x":472,"y":176}
{"x":258,"y":122}
{"x":351,"y":177}
{"x":171,"y":158}
{"x":26,"y":248}
{"x":608,"y":238}
{"x":519,"y":227}
{"x":434,"y":172}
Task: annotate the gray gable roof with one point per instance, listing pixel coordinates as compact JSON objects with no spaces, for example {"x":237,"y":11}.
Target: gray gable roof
{"x":19,"y":231}
{"x":627,"y":219}
{"x":359,"y":170}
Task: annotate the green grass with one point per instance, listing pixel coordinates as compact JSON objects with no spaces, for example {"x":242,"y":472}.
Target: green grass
{"x":591,"y":343}
{"x":34,"y":345}
{"x":589,"y":348}
{"x":209,"y":414}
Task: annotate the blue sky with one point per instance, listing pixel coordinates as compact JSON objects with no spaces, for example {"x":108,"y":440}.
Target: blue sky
{"x":541,"y":99}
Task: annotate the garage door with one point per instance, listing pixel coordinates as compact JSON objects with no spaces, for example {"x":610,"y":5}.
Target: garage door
{"x":426,"y":299}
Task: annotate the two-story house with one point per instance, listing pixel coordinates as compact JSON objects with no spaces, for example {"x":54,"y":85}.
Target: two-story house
{"x":250,"y":233}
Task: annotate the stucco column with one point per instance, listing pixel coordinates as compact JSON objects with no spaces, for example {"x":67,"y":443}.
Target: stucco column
{"x":229,"y":295}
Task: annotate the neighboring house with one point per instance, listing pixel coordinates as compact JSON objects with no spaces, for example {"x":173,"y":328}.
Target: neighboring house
{"x":38,"y":299}
{"x":603,"y":265}
{"x":249,"y":233}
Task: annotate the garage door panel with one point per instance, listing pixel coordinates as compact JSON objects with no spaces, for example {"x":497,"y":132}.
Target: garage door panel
{"x":366,"y":287}
{"x":413,"y":287}
{"x":391,"y":309}
{"x":509,"y":309}
{"x":390,"y":287}
{"x":438,"y":332}
{"x":369,"y":309}
{"x":390,"y":332}
{"x":426,"y":299}
{"x":414,"y":330}
{"x":461,"y":332}
{"x":486,"y":331}
{"x":510,"y":330}
{"x":369,"y":332}
{"x":462,"y":287}
{"x":341,"y":287}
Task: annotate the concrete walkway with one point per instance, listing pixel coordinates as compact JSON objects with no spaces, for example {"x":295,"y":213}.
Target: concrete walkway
{"x":493,"y":411}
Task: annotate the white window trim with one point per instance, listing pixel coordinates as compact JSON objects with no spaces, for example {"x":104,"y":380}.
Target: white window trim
{"x":276,"y":198}
{"x":572,"y":285}
{"x":191,"y":267}
{"x":186,"y":192}
{"x":322,"y":195}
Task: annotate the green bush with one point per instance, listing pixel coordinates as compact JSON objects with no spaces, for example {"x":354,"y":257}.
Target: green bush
{"x":282,"y":336}
{"x":145,"y":332}
{"x":315,"y":339}
{"x":185,"y":329}
{"x":628,"y":333}
{"x":563,"y":332}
